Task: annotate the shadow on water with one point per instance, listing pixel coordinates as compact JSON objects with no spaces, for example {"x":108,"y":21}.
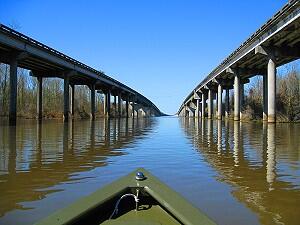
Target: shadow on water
{"x":36,"y":156}
{"x":256,"y":160}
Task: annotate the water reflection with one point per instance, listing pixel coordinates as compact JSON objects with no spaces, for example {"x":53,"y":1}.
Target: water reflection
{"x":35,"y":156}
{"x":259,"y":161}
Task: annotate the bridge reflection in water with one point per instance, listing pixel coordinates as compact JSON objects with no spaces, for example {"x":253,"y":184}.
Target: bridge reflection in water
{"x":36,"y":157}
{"x":259,"y":161}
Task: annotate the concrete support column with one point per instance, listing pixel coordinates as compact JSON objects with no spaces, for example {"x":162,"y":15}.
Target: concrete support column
{"x":13,"y":91}
{"x":236,"y":97}
{"x":72,"y":99}
{"x":133,"y":107}
{"x":210,"y":104}
{"x":242,"y":99}
{"x":92,"y":88}
{"x":271,"y":91}
{"x":127,"y":107}
{"x":227,"y":103}
{"x":265,"y":97}
{"x":203,"y":105}
{"x":197,"y":108}
{"x":39,"y":98}
{"x":115,"y":105}
{"x":107,"y":103}
{"x":119,"y":105}
{"x":66,"y":98}
{"x":219,"y":112}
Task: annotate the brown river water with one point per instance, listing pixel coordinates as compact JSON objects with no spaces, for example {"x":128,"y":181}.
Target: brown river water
{"x":237,"y":173}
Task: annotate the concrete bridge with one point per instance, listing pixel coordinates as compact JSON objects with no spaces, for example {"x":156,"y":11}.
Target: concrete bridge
{"x":276,"y":43}
{"x":19,"y":50}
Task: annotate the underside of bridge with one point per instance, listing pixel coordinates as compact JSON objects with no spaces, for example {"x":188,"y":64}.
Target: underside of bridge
{"x":276,"y":43}
{"x":18,"y":50}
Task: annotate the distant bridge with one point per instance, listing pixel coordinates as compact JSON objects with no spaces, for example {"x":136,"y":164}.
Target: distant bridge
{"x":19,"y":50}
{"x":276,"y":43}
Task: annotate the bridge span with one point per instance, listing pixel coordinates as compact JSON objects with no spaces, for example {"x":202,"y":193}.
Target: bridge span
{"x":19,"y":50}
{"x":274,"y":44}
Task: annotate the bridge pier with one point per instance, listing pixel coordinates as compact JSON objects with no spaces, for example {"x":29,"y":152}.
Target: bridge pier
{"x":92,"y":89}
{"x":210,"y":104}
{"x":242,"y":99}
{"x":197,"y":108}
{"x":203,"y":105}
{"x":72,"y":100}
{"x":13,"y":90}
{"x":219,"y":112}
{"x":107,"y":103}
{"x":119,"y":105}
{"x":127,"y":106}
{"x":271,"y":91}
{"x":265,"y":97}
{"x":115,"y":105}
{"x":236,"y":97}
{"x":66,"y":97}
{"x":39,"y":98}
{"x":227,"y":103}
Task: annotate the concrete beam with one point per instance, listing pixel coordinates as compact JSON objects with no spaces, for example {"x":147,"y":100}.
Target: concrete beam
{"x":276,"y":52}
{"x":196,"y":95}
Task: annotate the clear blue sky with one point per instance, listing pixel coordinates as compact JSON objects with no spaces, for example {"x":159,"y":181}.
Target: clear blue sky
{"x":161,"y":48}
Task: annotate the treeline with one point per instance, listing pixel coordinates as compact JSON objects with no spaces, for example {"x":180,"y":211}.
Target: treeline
{"x":52,"y":96}
{"x":287,"y":96}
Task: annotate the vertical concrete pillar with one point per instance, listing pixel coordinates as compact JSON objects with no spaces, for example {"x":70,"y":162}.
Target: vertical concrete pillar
{"x":210,"y":104}
{"x":66,"y":98}
{"x":72,"y":99}
{"x":242,"y":99}
{"x":39,"y":98}
{"x":107,"y":103}
{"x":13,"y":91}
{"x":133,"y":107}
{"x":236,"y":97}
{"x":127,"y":107}
{"x":92,"y":88}
{"x":203,"y":105}
{"x":265,"y":97}
{"x":115,"y":106}
{"x":271,"y":91}
{"x":227,"y":103}
{"x":220,"y":91}
{"x":119,"y":105}
{"x":197,"y":108}
{"x":104,"y":104}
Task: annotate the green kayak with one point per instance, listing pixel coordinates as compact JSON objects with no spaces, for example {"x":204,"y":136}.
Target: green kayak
{"x":138,"y":198}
